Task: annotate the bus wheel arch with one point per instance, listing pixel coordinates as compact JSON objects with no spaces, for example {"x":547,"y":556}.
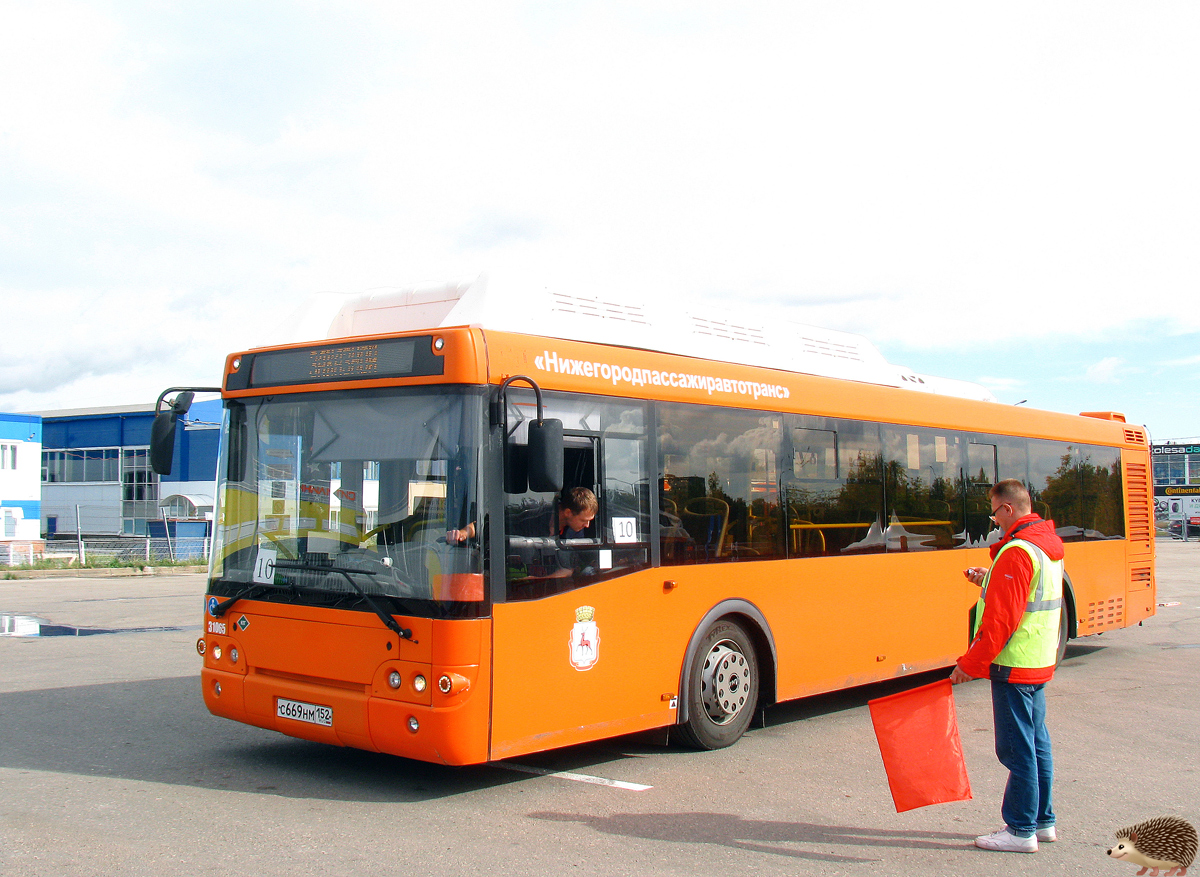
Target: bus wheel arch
{"x":736,"y":633}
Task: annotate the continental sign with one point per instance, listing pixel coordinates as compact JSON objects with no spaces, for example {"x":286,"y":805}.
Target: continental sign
{"x":1177,"y":491}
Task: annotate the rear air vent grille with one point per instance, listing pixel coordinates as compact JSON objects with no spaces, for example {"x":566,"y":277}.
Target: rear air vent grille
{"x":1140,"y":577}
{"x":1102,"y":615}
{"x":1139,"y":502}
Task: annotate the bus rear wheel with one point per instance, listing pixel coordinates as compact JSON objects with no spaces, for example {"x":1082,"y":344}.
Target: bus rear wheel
{"x":723,"y":691}
{"x":1063,"y":631}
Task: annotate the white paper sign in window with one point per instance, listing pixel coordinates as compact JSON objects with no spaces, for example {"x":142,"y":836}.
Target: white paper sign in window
{"x":624,"y":530}
{"x":264,"y":566}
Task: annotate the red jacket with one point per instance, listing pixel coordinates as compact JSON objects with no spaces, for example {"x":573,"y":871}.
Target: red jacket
{"x":1004,"y":606}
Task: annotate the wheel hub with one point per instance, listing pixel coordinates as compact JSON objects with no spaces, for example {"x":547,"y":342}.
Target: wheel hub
{"x":725,"y":682}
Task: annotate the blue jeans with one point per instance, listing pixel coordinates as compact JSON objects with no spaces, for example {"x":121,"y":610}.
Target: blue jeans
{"x":1023,"y":746}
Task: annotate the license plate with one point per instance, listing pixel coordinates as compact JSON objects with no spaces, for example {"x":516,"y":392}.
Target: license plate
{"x":304,"y":712}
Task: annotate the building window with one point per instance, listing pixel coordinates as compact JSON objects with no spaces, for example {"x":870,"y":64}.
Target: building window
{"x":81,"y":465}
{"x":139,"y":486}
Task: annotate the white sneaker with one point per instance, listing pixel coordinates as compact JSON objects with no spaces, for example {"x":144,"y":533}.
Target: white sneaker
{"x":1004,"y":842}
{"x":1047,"y":835}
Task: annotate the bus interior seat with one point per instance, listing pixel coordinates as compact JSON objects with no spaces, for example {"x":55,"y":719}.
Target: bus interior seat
{"x":807,"y":540}
{"x":706,"y":518}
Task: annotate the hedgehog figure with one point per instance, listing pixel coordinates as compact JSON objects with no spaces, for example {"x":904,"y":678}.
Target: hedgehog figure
{"x":1167,"y":842}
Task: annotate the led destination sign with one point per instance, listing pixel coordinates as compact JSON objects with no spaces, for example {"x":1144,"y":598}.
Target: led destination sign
{"x":356,"y":361}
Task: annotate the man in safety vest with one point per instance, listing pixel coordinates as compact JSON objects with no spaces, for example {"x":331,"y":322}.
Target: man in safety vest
{"x":1015,"y":644}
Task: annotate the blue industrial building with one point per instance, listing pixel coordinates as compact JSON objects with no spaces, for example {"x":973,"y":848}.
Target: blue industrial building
{"x":96,"y":475}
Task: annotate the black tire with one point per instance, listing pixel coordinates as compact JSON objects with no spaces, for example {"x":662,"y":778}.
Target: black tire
{"x":723,"y":688}
{"x":1063,"y":628}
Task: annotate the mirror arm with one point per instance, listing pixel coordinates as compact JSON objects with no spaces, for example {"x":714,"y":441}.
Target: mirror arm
{"x":498,"y":412}
{"x":187,"y":403}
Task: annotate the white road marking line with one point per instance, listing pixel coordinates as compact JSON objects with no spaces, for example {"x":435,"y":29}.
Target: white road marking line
{"x":577,"y":777}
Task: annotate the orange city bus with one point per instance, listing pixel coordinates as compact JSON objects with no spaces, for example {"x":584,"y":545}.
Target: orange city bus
{"x":763,"y":534}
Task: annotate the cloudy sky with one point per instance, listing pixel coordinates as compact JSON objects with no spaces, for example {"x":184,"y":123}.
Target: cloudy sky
{"x":1001,"y":192}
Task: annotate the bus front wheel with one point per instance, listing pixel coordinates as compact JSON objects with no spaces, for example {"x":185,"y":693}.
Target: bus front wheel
{"x":723,"y":689}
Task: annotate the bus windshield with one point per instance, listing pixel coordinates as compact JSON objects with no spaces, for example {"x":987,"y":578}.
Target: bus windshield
{"x":346,"y":499}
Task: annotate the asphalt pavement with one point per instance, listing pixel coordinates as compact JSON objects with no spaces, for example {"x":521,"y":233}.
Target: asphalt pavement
{"x":109,"y":764}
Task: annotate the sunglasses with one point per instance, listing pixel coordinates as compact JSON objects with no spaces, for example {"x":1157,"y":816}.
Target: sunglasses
{"x":992,"y":516}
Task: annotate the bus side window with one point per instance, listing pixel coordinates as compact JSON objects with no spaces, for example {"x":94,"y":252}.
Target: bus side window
{"x":833,"y":495}
{"x":605,"y":452}
{"x":719,"y":484}
{"x":924,"y":509}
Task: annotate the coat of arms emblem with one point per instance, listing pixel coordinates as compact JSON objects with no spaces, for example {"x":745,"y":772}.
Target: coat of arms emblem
{"x":585,"y":639}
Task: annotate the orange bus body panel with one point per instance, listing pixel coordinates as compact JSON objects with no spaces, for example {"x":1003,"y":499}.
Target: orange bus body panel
{"x":835,"y":623}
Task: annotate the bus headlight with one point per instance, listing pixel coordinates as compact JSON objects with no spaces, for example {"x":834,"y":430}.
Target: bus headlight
{"x":413,"y":724}
{"x":216,"y":652}
{"x":394,"y":679}
{"x":419,"y":683}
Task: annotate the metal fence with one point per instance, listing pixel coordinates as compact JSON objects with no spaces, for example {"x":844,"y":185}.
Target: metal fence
{"x":130,"y":549}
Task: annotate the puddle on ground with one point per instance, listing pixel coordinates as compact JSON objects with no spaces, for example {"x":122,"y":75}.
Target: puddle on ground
{"x":32,"y":626}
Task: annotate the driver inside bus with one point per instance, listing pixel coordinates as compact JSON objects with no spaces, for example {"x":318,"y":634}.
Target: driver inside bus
{"x":569,"y":517}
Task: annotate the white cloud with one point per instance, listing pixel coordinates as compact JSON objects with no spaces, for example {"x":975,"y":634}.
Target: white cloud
{"x":928,"y":174}
{"x":1002,"y":386}
{"x":1107,"y":370}
{"x":1185,"y":361}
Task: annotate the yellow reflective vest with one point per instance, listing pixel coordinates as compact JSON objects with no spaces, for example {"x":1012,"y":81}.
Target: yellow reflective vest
{"x":1034,"y":643}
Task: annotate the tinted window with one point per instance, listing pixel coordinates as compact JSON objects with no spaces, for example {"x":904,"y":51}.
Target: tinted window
{"x":834,"y":490}
{"x":719,"y":484}
{"x":924,"y":488}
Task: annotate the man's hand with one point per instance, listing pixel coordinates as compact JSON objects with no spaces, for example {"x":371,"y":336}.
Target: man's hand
{"x":958,"y":676}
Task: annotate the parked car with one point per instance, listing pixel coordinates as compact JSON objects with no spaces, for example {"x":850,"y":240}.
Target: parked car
{"x":1175,"y":529}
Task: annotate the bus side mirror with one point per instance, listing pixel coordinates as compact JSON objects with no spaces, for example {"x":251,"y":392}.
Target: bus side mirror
{"x":538,"y":464}
{"x":544,"y":456}
{"x":162,"y":433}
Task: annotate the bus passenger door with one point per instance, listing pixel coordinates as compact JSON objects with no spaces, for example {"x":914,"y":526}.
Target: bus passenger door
{"x":572,"y":639}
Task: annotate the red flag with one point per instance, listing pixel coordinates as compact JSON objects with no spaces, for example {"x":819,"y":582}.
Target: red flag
{"x":922,"y":752}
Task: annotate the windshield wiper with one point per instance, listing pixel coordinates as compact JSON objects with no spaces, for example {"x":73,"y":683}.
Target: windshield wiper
{"x":388,"y":621}
{"x":221,"y":608}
